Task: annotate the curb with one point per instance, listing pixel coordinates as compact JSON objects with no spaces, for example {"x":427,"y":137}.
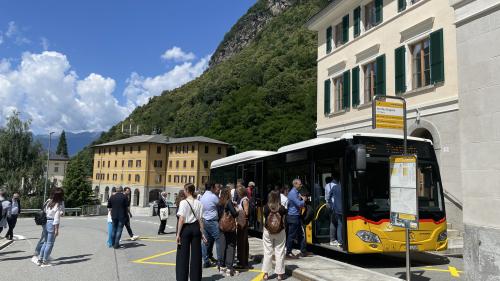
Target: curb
{"x":6,"y":243}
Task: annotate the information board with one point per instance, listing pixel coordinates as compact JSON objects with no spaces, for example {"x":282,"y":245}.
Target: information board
{"x":403,"y":182}
{"x":388,"y":115}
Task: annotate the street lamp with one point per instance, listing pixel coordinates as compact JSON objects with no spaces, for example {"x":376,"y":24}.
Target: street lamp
{"x":47,"y":169}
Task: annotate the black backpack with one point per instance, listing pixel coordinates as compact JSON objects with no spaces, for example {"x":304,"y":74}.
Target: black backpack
{"x":41,"y":216}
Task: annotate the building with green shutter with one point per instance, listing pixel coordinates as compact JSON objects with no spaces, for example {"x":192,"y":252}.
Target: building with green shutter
{"x":393,"y":47}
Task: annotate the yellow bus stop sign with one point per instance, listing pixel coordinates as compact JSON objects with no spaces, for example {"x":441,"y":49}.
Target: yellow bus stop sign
{"x":388,"y":115}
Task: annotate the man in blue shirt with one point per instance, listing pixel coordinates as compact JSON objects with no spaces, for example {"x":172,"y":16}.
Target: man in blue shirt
{"x":210,"y":200}
{"x":335,"y":202}
{"x":295,"y":232}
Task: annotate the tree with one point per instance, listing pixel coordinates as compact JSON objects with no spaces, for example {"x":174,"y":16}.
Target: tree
{"x":62,"y":146}
{"x":76,"y":184}
{"x":21,"y":160}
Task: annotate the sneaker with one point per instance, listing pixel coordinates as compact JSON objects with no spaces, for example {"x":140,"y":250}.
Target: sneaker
{"x":34,"y":260}
{"x":334,"y":243}
{"x":212,"y":259}
{"x":135,"y":237}
{"x":45,"y":264}
{"x":291,"y":256}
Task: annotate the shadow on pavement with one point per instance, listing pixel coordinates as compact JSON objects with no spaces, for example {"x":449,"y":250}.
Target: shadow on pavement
{"x":415,"y":276}
{"x":10,"y":252}
{"x":71,"y":261}
{"x":17,"y":258}
{"x":132,"y":245}
{"x":72,"y":257}
{"x":213,"y":277}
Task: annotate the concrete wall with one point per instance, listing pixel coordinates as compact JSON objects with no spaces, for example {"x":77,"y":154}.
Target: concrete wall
{"x":478,"y":41}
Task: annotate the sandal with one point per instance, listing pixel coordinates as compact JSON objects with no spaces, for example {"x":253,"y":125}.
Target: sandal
{"x":281,"y":277}
{"x":265,"y":277}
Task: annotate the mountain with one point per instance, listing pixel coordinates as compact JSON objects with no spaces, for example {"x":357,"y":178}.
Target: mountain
{"x":76,"y":141}
{"x":259,"y":91}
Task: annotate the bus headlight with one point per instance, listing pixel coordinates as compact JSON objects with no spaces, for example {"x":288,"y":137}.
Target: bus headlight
{"x":442,"y":236}
{"x":368,"y":236}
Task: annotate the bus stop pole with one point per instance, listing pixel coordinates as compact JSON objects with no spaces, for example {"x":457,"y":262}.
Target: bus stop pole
{"x":407,"y":229}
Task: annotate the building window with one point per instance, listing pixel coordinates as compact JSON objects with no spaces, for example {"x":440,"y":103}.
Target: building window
{"x":370,"y":76}
{"x":185,"y":164}
{"x":338,"y":89}
{"x":338,"y":35}
{"x":158,"y":149}
{"x":116,"y":163}
{"x":123,"y":150}
{"x":192,"y":179}
{"x":138,"y":148}
{"x":157,"y":163}
{"x":192,"y":163}
{"x":109,"y":164}
{"x":130,"y":149}
{"x":171,"y":149}
{"x":116,"y":150}
{"x":176,"y":179}
{"x":107,"y":177}
{"x":99,"y":151}
{"x":137,"y":178}
{"x":129,"y":177}
{"x":373,"y":14}
{"x":205,"y":164}
{"x":206,"y":148}
{"x":158,"y":179}
{"x":98,"y":164}
{"x":177,"y":164}
{"x":137,"y":163}
{"x":192,"y":148}
{"x":184,"y":149}
{"x":109,"y":150}
{"x":219,"y":150}
{"x":421,"y":70}
{"x":130,"y":163}
{"x":56,"y":169}
{"x":123,"y":163}
{"x":121,"y":177}
{"x":170,"y":164}
{"x":169,"y":178}
{"x":103,"y":164}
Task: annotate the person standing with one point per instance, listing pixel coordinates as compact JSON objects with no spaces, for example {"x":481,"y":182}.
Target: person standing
{"x":284,"y":196}
{"x":189,"y":237}
{"x":251,"y":200}
{"x":295,"y":231}
{"x":5,"y":213}
{"x":15,"y":210}
{"x":162,"y":203}
{"x":242,"y":231}
{"x":118,"y":206}
{"x":53,"y":211}
{"x":274,"y":237}
{"x":210,"y":201}
{"x":128,"y":193}
{"x":228,"y":215}
{"x":338,"y":217}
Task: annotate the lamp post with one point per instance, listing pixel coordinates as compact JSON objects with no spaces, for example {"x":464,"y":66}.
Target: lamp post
{"x":47,"y":169}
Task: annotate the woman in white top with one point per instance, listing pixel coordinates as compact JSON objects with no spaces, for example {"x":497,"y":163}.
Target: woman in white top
{"x":189,"y":237}
{"x":53,"y":212}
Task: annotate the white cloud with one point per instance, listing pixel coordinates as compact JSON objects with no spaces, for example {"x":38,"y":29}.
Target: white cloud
{"x":177,"y":54}
{"x":45,"y":43}
{"x":45,"y":89}
{"x":139,"y":89}
{"x":15,"y":33}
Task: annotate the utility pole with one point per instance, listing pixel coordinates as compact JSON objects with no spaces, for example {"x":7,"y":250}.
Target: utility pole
{"x":47,"y":169}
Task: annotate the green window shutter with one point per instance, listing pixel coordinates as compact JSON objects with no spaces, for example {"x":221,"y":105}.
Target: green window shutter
{"x":401,"y":5}
{"x":345,"y":29}
{"x":355,"y":86}
{"x":400,"y":70}
{"x":357,"y":21}
{"x":380,"y":82}
{"x":379,"y":8}
{"x":346,"y":90}
{"x":327,"y":96}
{"x":329,"y":39}
{"x":437,"y":56}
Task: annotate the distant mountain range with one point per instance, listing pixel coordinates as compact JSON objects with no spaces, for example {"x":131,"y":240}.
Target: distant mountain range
{"x":76,"y":141}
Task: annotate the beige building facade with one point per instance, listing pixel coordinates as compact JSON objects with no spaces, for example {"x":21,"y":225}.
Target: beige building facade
{"x":57,"y":169}
{"x":392,"y":47}
{"x":151,"y":164}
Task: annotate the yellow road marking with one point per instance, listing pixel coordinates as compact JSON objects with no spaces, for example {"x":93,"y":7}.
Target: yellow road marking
{"x":259,"y":277}
{"x":453,"y":271}
{"x":154,"y":256}
{"x":157,"y":263}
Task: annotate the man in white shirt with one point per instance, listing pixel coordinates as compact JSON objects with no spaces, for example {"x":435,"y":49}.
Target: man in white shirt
{"x":284,"y":196}
{"x":5,"y":210}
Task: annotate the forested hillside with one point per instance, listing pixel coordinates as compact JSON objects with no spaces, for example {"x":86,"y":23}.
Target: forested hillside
{"x":263,"y":97}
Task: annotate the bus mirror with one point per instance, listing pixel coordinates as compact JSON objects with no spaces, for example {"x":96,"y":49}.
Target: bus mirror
{"x":360,"y":157}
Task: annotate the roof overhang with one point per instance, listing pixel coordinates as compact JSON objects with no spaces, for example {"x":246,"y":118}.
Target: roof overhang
{"x":320,"y":18}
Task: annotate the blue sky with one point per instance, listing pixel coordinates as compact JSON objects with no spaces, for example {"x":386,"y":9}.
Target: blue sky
{"x":82,"y":59}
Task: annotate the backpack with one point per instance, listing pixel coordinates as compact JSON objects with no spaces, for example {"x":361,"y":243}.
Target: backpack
{"x":307,"y":215}
{"x":274,"y":222}
{"x":41,"y":216}
{"x":227,"y":223}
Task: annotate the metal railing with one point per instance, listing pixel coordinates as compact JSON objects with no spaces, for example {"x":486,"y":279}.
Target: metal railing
{"x":67,"y":211}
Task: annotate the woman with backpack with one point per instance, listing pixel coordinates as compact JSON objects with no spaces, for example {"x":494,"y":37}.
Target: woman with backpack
{"x":227,"y":225}
{"x":274,"y":236}
{"x":242,"y":232}
{"x":53,"y":210}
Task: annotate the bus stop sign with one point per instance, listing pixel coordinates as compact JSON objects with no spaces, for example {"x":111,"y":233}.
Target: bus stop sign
{"x":403,"y":182}
{"x":388,"y":115}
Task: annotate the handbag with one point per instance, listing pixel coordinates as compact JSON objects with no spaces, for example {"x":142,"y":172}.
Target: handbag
{"x":41,"y":216}
{"x":242,"y":218}
{"x":164,"y":213}
{"x":227,"y":223}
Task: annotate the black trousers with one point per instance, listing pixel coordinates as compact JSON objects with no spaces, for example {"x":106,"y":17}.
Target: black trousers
{"x":12,"y":221}
{"x":243,"y":246}
{"x":129,"y":229}
{"x":228,"y":245}
{"x":190,"y":247}
{"x":162,"y":226}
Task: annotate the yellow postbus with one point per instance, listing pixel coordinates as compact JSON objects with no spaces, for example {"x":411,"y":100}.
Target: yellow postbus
{"x":362,"y":161}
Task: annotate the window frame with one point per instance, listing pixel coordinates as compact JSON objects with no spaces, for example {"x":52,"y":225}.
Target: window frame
{"x":422,"y":57}
{"x":368,"y":98}
{"x":338,"y":91}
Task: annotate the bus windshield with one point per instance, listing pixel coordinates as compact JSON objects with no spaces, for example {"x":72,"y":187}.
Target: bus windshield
{"x":376,"y":186}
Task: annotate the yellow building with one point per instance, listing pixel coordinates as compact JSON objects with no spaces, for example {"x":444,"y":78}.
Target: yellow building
{"x":150,"y":164}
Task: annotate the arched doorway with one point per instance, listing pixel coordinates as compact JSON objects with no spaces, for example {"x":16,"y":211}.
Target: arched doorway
{"x":113,"y":189}
{"x":106,"y":193}
{"x":136,"y":197}
{"x":422,"y":133}
{"x":154,"y":195}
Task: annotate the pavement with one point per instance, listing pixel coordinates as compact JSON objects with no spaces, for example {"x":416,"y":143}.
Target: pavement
{"x":80,"y":253}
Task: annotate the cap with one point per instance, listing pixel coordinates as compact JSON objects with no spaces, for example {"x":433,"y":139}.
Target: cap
{"x":251,"y":183}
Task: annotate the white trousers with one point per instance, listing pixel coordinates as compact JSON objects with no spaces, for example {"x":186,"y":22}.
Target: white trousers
{"x":274,"y":244}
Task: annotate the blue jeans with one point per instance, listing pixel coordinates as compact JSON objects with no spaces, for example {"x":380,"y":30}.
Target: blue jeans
{"x":295,"y":232}
{"x":212,"y":233}
{"x":337,"y":227}
{"x":116,"y":233}
{"x":48,"y":245}
{"x":110,"y":234}
{"x":43,"y":237}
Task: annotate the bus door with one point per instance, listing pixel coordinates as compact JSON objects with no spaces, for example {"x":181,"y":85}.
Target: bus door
{"x":324,"y":171}
{"x":253,"y":172}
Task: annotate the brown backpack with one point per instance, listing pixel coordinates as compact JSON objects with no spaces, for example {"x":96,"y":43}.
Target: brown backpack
{"x":274,"y":222}
{"x":227,"y":223}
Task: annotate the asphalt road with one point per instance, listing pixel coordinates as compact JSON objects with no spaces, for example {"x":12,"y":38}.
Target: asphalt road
{"x":80,"y":253}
